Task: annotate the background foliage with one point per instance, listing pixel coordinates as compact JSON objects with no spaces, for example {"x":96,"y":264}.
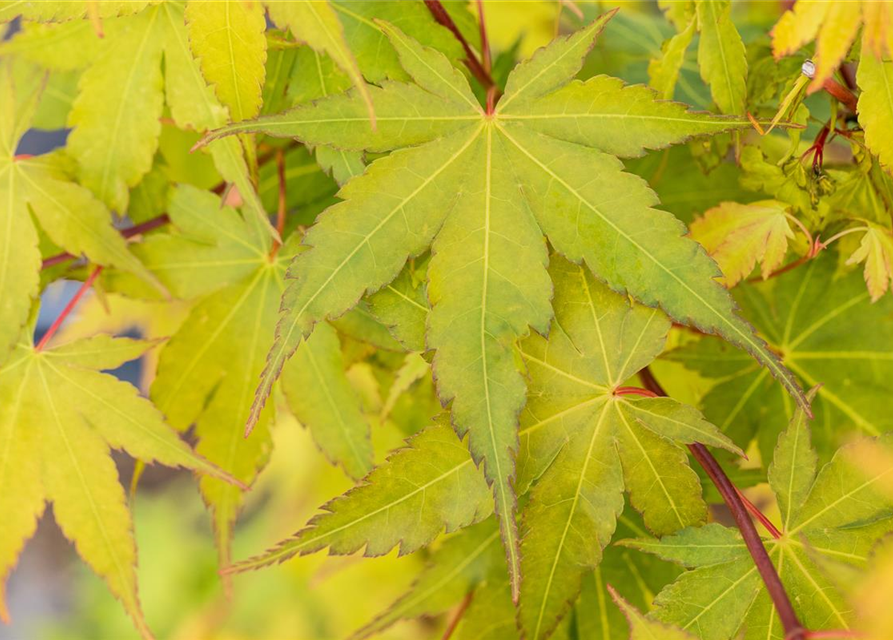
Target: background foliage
{"x":401,"y":279}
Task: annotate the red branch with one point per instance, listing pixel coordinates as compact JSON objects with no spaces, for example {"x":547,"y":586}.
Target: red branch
{"x":793,"y":629}
{"x":135,"y":230}
{"x":471,"y":60}
{"x":457,"y":617}
{"x":68,"y":309}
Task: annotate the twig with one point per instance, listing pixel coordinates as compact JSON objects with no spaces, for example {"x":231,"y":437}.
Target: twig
{"x":793,"y":629}
{"x":486,"y":59}
{"x":68,"y":309}
{"x":135,"y":230}
{"x":759,"y":515}
{"x":281,"y":210}
{"x":457,"y":617}
{"x":471,"y":60}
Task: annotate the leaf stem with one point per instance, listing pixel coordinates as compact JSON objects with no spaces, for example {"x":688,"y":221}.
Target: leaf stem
{"x":457,"y":617}
{"x":68,"y":309}
{"x":793,"y":629}
{"x":281,"y":209}
{"x":759,"y":515}
{"x":135,"y":230}
{"x":471,"y":60}
{"x":486,"y":59}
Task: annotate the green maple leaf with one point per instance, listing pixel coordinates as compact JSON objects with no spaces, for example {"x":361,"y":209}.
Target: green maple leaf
{"x":481,"y":190}
{"x":207,"y":370}
{"x":457,"y":567}
{"x":641,"y":628}
{"x":637,"y":576}
{"x":420,"y":490}
{"x":121,"y":95}
{"x":836,"y":514}
{"x":316,"y":23}
{"x":826,"y":333}
{"x":58,"y":419}
{"x":67,"y":213}
{"x":221,"y":33}
{"x":591,"y":444}
{"x":721,"y":56}
{"x":490,"y":616}
{"x":875,"y":107}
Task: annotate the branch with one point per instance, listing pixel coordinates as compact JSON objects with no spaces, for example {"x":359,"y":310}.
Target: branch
{"x":282,"y":209}
{"x":471,"y":60}
{"x":68,"y":309}
{"x":457,"y":617}
{"x":135,"y":230}
{"x":793,"y":629}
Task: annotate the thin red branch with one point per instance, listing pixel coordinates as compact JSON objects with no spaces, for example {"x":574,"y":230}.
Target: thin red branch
{"x":486,"y":59}
{"x":759,"y":515}
{"x":282,"y":208}
{"x":135,"y":230}
{"x":793,"y":629}
{"x":457,"y":617}
{"x":68,"y":309}
{"x":471,"y":60}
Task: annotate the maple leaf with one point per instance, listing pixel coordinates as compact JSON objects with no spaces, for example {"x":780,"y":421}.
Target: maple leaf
{"x":827,"y":333}
{"x":837,"y":513}
{"x":637,"y":576}
{"x":67,"y":213}
{"x":465,"y":560}
{"x":316,"y":23}
{"x":420,"y":490}
{"x":58,"y":419}
{"x":592,"y":443}
{"x":641,"y":628}
{"x":221,"y":32}
{"x":206,"y":377}
{"x":738,"y":236}
{"x":875,"y":106}
{"x":876,"y":251}
{"x":721,"y":56}
{"x":458,"y":190}
{"x":833,"y":26}
{"x":122,"y":91}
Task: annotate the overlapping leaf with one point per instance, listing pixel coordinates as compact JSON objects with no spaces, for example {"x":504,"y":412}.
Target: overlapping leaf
{"x":58,"y":419}
{"x":421,"y":490}
{"x":207,"y":370}
{"x":833,"y":26}
{"x":592,"y":444}
{"x":121,"y":95}
{"x":828,"y":332}
{"x":738,"y":236}
{"x":67,"y":213}
{"x":837,"y":513}
{"x":481,"y":190}
{"x":721,"y":55}
{"x":463,"y":562}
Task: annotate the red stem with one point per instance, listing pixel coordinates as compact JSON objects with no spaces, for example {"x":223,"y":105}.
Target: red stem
{"x":471,"y":61}
{"x":135,"y":230}
{"x":457,"y":617}
{"x":759,"y":515}
{"x":793,"y":629}
{"x":487,"y":61}
{"x":68,"y":309}
{"x":283,"y":201}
